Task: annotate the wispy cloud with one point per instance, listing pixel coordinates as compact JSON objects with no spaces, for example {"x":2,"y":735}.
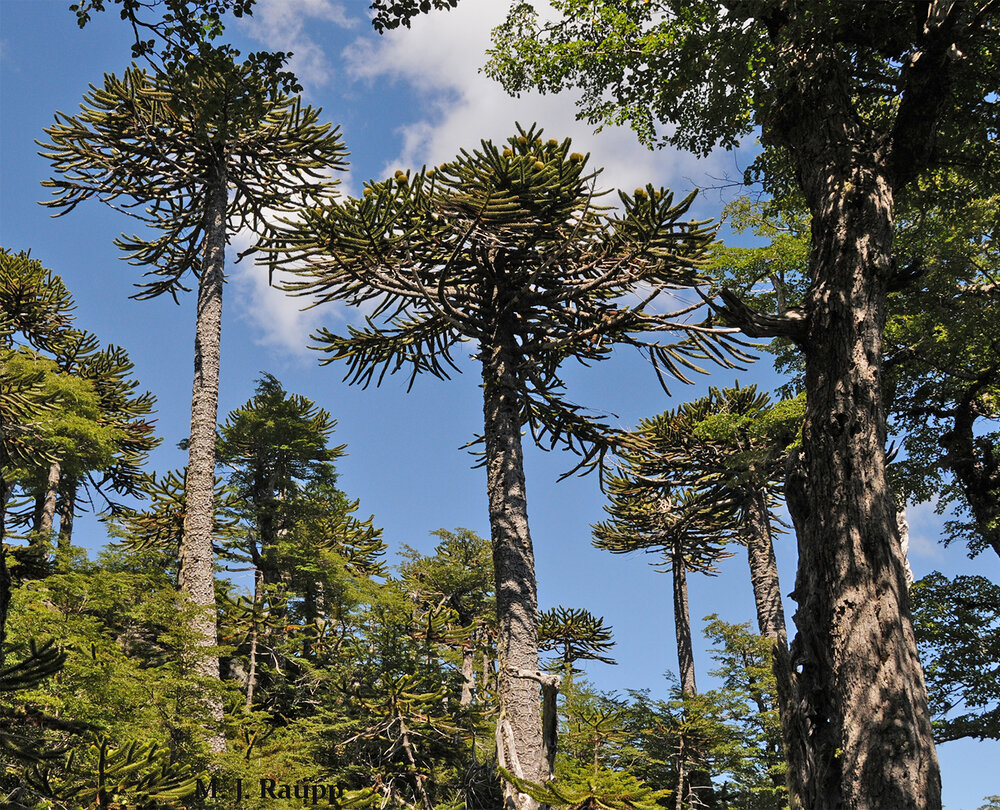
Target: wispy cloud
{"x":441,"y":57}
{"x":286,"y":25}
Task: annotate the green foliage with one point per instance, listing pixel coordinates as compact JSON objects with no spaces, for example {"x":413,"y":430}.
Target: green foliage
{"x":391,"y":14}
{"x":503,"y":239}
{"x":71,"y":430}
{"x":942,"y":365}
{"x":188,"y":27}
{"x":957,"y":624}
{"x":575,"y":634}
{"x":748,"y":750}
{"x":104,"y":775}
{"x":600,"y":789}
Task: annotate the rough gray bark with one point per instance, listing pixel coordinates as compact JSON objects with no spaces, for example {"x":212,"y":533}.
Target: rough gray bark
{"x":763,"y":567}
{"x":468,"y":675}
{"x":903,"y":527}
{"x":252,"y":671}
{"x":519,"y":731}
{"x":859,"y":690}
{"x":682,"y":625}
{"x":48,"y":512}
{"x":771,"y":623}
{"x":197,"y":563}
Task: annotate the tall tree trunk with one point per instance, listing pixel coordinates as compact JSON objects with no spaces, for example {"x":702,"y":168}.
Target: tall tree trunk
{"x":763,"y":566}
{"x":519,"y":730}
{"x":860,"y":682}
{"x":771,"y":623}
{"x":694,"y":785}
{"x":252,"y":673}
{"x":5,"y":582}
{"x":682,"y":624}
{"x":197,"y":563}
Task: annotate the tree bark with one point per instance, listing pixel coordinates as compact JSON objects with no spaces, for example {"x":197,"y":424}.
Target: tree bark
{"x":45,"y":509}
{"x":682,"y":625}
{"x":859,"y":680}
{"x":47,"y":513}
{"x":519,"y":731}
{"x":860,"y":692}
{"x":67,"y":511}
{"x":763,"y":566}
{"x":771,"y":623}
{"x":197,"y":563}
{"x":468,"y":675}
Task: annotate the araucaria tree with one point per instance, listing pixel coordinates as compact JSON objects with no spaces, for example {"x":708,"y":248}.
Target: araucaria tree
{"x":855,"y":103}
{"x":689,"y":528}
{"x":196,"y":154}
{"x":504,"y":247}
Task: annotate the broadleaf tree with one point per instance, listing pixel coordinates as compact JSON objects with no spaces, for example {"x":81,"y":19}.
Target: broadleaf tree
{"x":505,"y":247}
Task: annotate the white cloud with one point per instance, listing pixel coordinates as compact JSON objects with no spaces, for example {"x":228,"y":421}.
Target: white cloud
{"x":441,"y":57}
{"x":282,"y":26}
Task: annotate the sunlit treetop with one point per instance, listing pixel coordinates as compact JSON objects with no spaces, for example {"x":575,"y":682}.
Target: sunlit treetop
{"x":150,"y":145}
{"x":506,"y":245}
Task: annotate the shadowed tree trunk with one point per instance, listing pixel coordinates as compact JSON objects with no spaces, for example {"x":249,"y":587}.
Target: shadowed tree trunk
{"x":197,"y":563}
{"x":682,"y":625}
{"x":67,"y":512}
{"x":860,"y":684}
{"x":771,"y":623}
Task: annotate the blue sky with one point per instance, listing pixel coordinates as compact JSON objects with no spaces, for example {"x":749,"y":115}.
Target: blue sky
{"x":409,"y":98}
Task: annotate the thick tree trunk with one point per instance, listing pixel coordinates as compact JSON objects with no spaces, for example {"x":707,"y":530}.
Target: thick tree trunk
{"x":197,"y":563}
{"x":519,"y":730}
{"x":67,"y":511}
{"x":860,"y":684}
{"x":859,"y":691}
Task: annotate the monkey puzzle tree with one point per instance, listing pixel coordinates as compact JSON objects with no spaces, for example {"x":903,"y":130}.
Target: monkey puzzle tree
{"x":196,"y":153}
{"x":35,"y":307}
{"x":690,"y":529}
{"x":734,"y":444}
{"x":504,"y":246}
